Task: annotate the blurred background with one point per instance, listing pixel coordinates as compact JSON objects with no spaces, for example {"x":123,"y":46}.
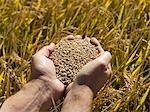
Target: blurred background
{"x":121,"y":26}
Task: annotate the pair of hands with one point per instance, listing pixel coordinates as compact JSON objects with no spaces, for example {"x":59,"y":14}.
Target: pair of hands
{"x":94,"y":74}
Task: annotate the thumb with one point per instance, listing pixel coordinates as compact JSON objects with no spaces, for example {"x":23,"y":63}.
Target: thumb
{"x":46,"y":50}
{"x":101,"y":62}
{"x":104,"y":58}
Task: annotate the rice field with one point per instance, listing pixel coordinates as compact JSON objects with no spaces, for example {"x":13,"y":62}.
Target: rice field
{"x":121,"y":26}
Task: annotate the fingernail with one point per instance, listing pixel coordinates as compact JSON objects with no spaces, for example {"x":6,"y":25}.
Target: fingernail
{"x":78,"y":36}
{"x":69,"y":37}
{"x":51,"y":46}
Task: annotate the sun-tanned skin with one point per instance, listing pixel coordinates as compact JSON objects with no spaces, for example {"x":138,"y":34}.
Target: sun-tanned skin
{"x":89,"y":80}
{"x":37,"y":94}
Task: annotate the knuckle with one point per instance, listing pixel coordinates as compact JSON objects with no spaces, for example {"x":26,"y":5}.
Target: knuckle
{"x":108,"y":53}
{"x":34,"y":56}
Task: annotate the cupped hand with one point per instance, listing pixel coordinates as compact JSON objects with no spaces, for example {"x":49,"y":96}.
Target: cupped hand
{"x":95,"y":73}
{"x":42,"y":65}
{"x":43,"y":68}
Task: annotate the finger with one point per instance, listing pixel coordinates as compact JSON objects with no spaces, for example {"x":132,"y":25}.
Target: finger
{"x":87,"y":39}
{"x":110,"y":69}
{"x":104,"y":58}
{"x":100,"y":49}
{"x":69,"y":88}
{"x":108,"y":72}
{"x":46,"y":50}
{"x":78,"y":36}
{"x":94,"y":41}
{"x":69,"y":37}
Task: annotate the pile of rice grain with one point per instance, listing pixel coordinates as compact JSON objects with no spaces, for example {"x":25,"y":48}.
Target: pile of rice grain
{"x":70,"y":56}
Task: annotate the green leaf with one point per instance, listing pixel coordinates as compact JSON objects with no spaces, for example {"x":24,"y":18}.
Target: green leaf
{"x":108,"y":4}
{"x":121,"y":12}
{"x":140,"y":59}
{"x":131,"y":58}
{"x":143,"y":99}
{"x":1,"y":77}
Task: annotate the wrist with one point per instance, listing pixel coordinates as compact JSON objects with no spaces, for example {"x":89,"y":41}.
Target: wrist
{"x":82,"y":89}
{"x":55,"y":85}
{"x":79,"y":98}
{"x":50,"y":92}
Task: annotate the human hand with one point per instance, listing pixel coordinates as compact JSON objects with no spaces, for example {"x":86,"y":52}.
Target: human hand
{"x":95,"y":73}
{"x":44,"y":88}
{"x":43,"y":68}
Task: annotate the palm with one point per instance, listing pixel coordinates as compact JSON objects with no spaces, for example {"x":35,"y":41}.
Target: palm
{"x":43,"y":66}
